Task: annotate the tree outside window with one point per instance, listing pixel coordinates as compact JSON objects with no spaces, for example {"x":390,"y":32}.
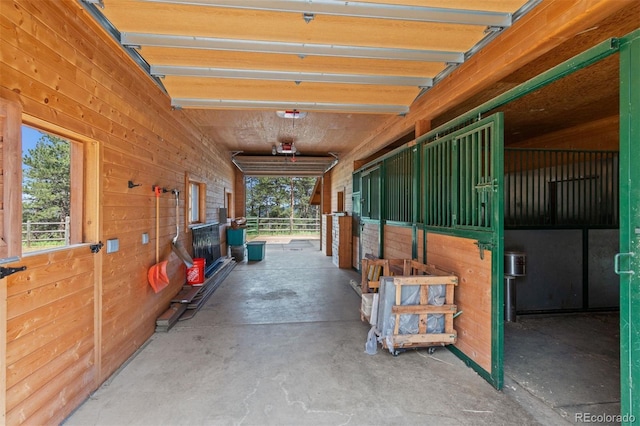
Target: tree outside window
{"x":46,"y":190}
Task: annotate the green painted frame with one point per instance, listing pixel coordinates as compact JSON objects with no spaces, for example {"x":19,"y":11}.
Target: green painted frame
{"x":629,"y":48}
{"x":580,"y":61}
{"x":627,"y":262}
{"x":490,"y":236}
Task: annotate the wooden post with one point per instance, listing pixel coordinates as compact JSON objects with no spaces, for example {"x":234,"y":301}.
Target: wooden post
{"x":67,"y":230}
{"x":28,"y":233}
{"x":292,"y":201}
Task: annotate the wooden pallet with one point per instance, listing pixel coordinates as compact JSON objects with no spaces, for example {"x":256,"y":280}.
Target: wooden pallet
{"x":374,"y":268}
{"x":424,"y":276}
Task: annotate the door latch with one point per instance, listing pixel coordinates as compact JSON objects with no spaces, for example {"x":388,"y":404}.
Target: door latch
{"x":5,"y":272}
{"x":616,"y":264}
{"x":482,"y":246}
{"x":95,"y":248}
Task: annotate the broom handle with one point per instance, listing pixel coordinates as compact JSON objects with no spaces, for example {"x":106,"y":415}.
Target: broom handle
{"x":157,"y":224}
{"x":177,"y":215}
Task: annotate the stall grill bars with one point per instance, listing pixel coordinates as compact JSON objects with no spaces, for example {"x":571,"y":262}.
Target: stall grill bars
{"x":399,"y":187}
{"x":547,"y":188}
{"x":459,"y":179}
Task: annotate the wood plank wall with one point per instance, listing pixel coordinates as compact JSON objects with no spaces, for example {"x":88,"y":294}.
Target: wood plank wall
{"x":369,"y":237}
{"x":472,"y":295}
{"x":65,"y":72}
{"x":326,"y":193}
{"x":397,"y":242}
{"x":50,"y":345}
{"x":420,"y":255}
{"x":603,"y":134}
{"x":342,"y":180}
{"x":239,"y":198}
{"x":355,"y":253}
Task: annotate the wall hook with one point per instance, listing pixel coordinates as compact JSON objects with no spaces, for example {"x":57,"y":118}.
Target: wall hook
{"x":163,"y":190}
{"x":133,"y":185}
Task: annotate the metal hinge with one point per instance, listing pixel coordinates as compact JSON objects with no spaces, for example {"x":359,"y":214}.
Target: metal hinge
{"x":5,"y":272}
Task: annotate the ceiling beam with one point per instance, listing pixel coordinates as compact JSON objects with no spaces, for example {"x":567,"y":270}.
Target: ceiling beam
{"x":362,"y":10}
{"x":179,"y":103}
{"x":129,"y":39}
{"x":317,"y":77}
{"x":544,"y":28}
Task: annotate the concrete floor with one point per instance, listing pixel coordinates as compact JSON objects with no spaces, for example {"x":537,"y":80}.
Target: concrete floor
{"x":570,"y":362}
{"x":280,"y":342}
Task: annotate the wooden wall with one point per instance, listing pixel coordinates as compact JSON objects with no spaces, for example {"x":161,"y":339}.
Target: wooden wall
{"x":421,"y":246}
{"x":472,"y":295}
{"x":74,"y":317}
{"x":342,"y":180}
{"x":397,"y":242}
{"x":356,"y":257}
{"x":239,"y":199}
{"x":603,"y":134}
{"x":325,"y":204}
{"x":50,"y":336}
{"x":370,"y":240}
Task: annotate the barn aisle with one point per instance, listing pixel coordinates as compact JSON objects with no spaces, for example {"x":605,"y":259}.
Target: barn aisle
{"x":280,"y":342}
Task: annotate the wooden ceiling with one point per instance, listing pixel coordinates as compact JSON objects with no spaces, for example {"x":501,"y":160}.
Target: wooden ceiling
{"x":231,"y":64}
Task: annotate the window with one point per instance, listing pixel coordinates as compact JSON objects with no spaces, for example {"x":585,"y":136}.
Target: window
{"x":195,"y":201}
{"x":51,"y":210}
{"x":81,"y":172}
{"x":229,"y":203}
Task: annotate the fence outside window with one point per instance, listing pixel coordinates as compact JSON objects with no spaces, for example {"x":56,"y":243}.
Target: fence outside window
{"x":282,"y":225}
{"x":46,"y":234}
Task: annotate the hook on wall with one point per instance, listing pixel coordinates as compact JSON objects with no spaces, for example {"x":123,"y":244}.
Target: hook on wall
{"x":159,"y":189}
{"x":133,"y":185}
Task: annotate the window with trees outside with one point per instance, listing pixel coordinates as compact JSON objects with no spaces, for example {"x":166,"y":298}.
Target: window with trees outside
{"x":51,"y":211}
{"x":195,"y":200}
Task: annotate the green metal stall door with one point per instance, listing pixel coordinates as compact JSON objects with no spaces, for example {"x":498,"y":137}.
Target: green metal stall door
{"x":463,"y":177}
{"x":627,"y":262}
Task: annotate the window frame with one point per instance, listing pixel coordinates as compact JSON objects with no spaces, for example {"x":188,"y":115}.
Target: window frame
{"x":81,"y":149}
{"x":192,"y":181}
{"x":11,"y":178}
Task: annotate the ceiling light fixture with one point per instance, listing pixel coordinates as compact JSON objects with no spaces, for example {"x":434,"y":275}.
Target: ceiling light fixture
{"x":291,"y":113}
{"x":284,"y":148}
{"x":308,"y":17}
